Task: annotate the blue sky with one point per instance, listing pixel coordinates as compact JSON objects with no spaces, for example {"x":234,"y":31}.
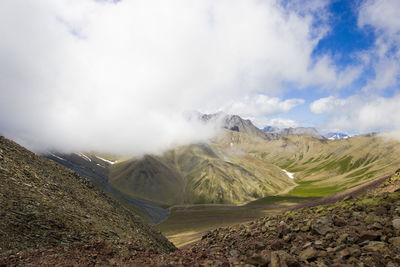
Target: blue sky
{"x":86,"y":74}
{"x":344,"y":41}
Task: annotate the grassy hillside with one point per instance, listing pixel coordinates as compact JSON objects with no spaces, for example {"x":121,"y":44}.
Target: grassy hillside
{"x":198,"y":174}
{"x":148,"y":178}
{"x":325,"y":167}
{"x":322,"y":167}
{"x":43,"y":204}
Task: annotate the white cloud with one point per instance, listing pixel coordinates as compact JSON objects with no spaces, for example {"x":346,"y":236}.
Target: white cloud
{"x":89,"y":75}
{"x":261,"y":106}
{"x":359,"y":113}
{"x":382,"y":14}
{"x":384,"y":57}
{"x":278,"y":123}
{"x":368,"y":111}
{"x":329,"y":104}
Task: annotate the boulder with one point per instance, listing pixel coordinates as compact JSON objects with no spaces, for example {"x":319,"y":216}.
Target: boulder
{"x":308,"y":254}
{"x":321,"y":226}
{"x":396,"y":224}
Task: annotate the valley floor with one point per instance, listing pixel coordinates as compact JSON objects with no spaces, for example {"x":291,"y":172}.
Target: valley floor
{"x":187,"y":224}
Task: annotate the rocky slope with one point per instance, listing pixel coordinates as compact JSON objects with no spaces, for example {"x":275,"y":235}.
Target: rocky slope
{"x":236,"y":123}
{"x":43,"y":204}
{"x":361,"y":231}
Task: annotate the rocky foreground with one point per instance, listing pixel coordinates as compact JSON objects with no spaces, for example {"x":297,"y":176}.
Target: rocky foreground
{"x":362,"y":231}
{"x":44,"y":205}
{"x":358,"y":232}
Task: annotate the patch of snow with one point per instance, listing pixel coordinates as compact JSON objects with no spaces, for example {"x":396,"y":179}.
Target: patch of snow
{"x":83,"y":156}
{"x":105,"y":160}
{"x":60,"y":158}
{"x":100,"y":165}
{"x":289,"y":174}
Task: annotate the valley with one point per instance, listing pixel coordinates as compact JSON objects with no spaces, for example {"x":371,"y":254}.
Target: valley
{"x":238,"y":176}
{"x":188,"y":223}
{"x":196,"y":196}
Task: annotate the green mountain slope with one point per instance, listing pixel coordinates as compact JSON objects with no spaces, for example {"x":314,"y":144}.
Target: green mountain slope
{"x":43,"y":204}
{"x":324,"y":167}
{"x":195,"y":174}
{"x":236,"y":167}
{"x":150,"y":176}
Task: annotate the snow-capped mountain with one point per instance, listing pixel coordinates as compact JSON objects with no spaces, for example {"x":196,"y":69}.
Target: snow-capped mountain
{"x":336,"y":136}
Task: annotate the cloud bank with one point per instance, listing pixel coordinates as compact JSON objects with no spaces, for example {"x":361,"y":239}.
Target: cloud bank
{"x":117,"y":76}
{"x":360,"y":113}
{"x":261,"y":106}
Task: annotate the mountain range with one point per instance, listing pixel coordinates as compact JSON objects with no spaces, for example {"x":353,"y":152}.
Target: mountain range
{"x":236,"y":123}
{"x":50,"y":216}
{"x":241,"y":164}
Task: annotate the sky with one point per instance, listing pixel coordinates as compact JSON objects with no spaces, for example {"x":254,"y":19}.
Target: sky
{"x":119,"y":76}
